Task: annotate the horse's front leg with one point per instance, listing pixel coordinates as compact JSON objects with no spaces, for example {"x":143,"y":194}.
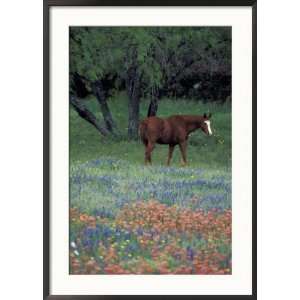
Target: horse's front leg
{"x":171,"y":150}
{"x":183,"y":147}
{"x":148,"y":151}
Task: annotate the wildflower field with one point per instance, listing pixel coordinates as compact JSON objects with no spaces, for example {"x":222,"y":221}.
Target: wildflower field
{"x":127,"y":218}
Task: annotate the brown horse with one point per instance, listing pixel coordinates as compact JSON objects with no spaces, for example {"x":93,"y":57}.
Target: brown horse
{"x":171,"y":131}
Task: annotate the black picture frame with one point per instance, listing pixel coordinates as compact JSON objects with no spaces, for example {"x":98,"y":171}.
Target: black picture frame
{"x":46,"y":143}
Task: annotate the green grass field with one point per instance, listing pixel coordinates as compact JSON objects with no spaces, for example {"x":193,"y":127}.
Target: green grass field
{"x":127,"y":218}
{"x":210,"y":152}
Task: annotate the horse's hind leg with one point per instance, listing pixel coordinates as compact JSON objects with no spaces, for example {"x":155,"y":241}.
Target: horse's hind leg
{"x":145,"y":142}
{"x":148,"y":150}
{"x":183,"y":147}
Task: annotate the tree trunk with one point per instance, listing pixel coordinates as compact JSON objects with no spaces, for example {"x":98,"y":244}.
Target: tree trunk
{"x":87,"y":115}
{"x":134,"y":94}
{"x":78,"y":85}
{"x":153,"y":106}
{"x":100,"y":95}
{"x":133,"y":117}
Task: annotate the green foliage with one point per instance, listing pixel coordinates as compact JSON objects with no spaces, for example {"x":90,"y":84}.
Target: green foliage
{"x":96,"y":52}
{"x":161,"y":54}
{"x":93,"y":52}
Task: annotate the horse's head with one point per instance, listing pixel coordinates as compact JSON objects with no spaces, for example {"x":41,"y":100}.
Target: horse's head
{"x":205,"y":124}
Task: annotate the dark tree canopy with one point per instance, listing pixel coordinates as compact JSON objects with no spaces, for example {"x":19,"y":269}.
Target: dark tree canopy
{"x":152,"y":62}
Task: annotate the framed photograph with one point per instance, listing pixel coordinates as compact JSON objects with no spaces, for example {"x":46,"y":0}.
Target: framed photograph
{"x":150,"y":149}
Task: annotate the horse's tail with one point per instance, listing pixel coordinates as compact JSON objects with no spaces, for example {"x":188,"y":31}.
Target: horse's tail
{"x":143,"y":131}
{"x":149,"y":114}
{"x":152,"y":109}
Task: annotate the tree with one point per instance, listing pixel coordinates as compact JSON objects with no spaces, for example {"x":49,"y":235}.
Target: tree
{"x":92,"y":58}
{"x":87,"y":115}
{"x":153,"y":105}
{"x":150,"y":61}
{"x":98,"y":90}
{"x":142,"y":70}
{"x":195,"y":55}
{"x":133,"y":86}
{"x":96,"y":53}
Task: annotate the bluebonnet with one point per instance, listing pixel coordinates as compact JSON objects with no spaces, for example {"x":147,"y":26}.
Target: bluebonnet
{"x":190,"y":253}
{"x":169,"y":185}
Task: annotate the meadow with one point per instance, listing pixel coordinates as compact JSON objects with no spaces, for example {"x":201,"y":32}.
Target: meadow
{"x":127,"y":218}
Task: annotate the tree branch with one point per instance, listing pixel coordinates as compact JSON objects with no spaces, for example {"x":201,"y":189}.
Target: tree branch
{"x":87,"y":115}
{"x":98,"y":91}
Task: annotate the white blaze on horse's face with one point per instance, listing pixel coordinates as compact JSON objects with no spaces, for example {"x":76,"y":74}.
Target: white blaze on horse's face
{"x":208,"y":127}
